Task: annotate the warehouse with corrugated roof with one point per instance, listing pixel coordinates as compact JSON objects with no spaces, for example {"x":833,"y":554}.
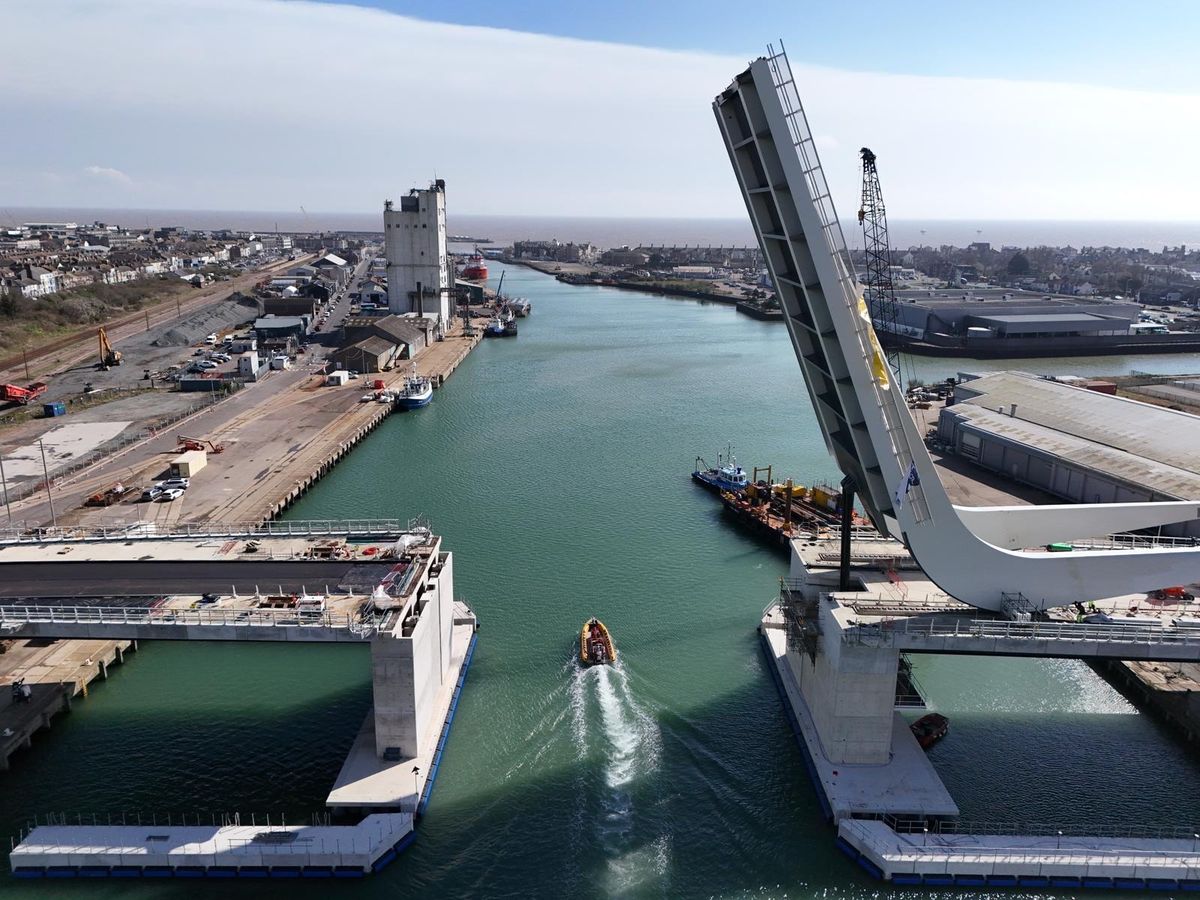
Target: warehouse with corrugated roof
{"x":1075,"y":443}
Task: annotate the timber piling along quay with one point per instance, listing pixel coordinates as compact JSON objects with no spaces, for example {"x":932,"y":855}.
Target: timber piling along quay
{"x":279,"y":438}
{"x":55,"y":672}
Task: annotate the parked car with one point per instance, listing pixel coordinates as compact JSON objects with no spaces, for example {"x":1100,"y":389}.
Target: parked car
{"x":200,"y":351}
{"x":166,"y":484}
{"x":152,"y":493}
{"x":211,"y":339}
{"x":170,"y":494}
{"x":207,"y":364}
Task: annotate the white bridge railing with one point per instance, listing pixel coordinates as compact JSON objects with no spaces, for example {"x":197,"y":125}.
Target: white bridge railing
{"x":886,"y":398}
{"x":155,"y":531}
{"x":13,"y":617}
{"x":892,"y":632}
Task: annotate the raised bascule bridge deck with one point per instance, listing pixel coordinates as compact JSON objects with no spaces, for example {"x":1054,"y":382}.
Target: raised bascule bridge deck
{"x":382,"y":583}
{"x":963,"y":579}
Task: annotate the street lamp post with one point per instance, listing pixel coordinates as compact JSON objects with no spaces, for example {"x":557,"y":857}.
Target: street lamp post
{"x":4,"y":485}
{"x":49,"y":492}
{"x":416,"y":788}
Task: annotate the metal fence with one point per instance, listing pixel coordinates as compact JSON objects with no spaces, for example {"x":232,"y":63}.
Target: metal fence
{"x":1042,"y":829}
{"x":886,"y":633}
{"x":363,"y":528}
{"x":108,"y":449}
{"x":14,"y":616}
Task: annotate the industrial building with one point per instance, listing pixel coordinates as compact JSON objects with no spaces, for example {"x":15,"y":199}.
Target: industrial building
{"x":419,"y":276}
{"x":370,"y":355}
{"x":1076,"y":443}
{"x":268,"y":327}
{"x":372,"y":344}
{"x":992,"y":313}
{"x":409,"y":332}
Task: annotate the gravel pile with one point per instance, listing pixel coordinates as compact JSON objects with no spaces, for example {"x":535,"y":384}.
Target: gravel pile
{"x":230,"y":312}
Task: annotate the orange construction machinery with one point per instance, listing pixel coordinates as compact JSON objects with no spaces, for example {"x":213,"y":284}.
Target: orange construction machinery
{"x":188,"y":443}
{"x":109,"y":356}
{"x":14,"y":393}
{"x":114,"y":494}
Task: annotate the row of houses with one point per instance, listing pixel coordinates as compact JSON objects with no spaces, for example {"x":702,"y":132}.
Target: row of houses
{"x":38,"y":259}
{"x":301,"y":290}
{"x":556,"y":251}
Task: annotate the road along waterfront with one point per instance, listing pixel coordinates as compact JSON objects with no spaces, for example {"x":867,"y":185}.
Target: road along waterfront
{"x":555,"y":467}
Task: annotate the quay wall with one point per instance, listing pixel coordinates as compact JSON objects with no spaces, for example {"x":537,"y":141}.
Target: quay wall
{"x":55,"y":696}
{"x":339,"y":446}
{"x":1180,"y":709}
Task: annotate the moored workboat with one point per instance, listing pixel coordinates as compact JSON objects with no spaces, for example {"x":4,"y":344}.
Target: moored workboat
{"x":417,"y":391}
{"x":930,"y":729}
{"x":596,"y":645}
{"x":726,"y":475}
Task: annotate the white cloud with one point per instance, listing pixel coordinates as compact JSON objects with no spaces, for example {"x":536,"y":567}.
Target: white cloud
{"x":116,"y":176}
{"x":272,"y":105}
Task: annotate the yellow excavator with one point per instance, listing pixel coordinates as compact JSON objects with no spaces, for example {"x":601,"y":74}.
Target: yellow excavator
{"x":109,"y":356}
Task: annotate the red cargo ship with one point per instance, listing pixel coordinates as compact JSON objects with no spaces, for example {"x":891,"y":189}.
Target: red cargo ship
{"x":476,"y":269}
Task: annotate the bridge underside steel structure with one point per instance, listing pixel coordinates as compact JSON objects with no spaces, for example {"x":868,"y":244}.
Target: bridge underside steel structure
{"x":974,"y":554}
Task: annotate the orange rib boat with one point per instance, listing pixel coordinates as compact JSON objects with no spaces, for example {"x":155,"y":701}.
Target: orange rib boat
{"x":596,"y":645}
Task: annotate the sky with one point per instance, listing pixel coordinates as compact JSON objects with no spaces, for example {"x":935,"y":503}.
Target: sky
{"x":1020,"y":110}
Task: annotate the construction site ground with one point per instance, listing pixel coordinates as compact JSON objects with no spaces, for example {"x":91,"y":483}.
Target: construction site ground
{"x":67,"y":352}
{"x":276,"y":433}
{"x":104,"y":408}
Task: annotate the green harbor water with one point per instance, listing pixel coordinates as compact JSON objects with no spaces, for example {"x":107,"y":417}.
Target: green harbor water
{"x":555,"y":466}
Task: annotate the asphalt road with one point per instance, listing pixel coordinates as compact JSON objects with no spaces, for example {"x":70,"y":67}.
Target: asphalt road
{"x":59,"y":579}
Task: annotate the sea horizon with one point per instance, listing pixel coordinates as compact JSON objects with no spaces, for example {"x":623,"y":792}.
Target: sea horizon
{"x":614,"y":231}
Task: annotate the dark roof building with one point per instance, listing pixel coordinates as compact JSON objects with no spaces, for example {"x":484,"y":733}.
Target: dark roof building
{"x":373,"y":354}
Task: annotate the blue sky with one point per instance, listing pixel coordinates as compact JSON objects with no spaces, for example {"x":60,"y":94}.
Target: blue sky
{"x":1146,"y":45}
{"x":1007,"y":110}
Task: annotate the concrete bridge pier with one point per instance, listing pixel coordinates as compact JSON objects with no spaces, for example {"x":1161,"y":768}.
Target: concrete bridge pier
{"x":850,"y":691}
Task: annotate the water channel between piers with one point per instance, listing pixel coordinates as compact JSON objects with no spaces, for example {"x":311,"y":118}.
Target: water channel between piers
{"x":555,"y":468}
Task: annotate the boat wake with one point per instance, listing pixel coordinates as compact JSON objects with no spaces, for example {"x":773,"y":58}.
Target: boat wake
{"x":613,"y":728}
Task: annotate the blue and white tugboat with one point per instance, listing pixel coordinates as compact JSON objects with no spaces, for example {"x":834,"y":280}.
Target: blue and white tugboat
{"x":726,"y":475}
{"x":417,"y":391}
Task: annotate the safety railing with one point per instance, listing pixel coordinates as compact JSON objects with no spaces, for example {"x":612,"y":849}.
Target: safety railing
{"x":858,"y":534}
{"x":1044,"y":829}
{"x":381,"y":528}
{"x":888,"y":632}
{"x":834,"y":240}
{"x":14,"y":616}
{"x":1134,"y":542}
